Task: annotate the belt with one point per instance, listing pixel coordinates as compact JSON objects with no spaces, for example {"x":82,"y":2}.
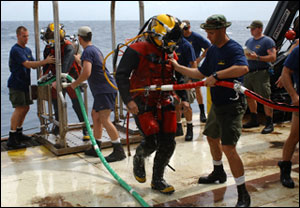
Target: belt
{"x":256,"y":70}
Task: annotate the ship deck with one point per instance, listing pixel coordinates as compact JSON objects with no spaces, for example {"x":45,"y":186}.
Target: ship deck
{"x":36,"y":177}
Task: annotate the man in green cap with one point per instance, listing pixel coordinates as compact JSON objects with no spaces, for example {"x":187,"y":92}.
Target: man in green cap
{"x":260,"y":52}
{"x":225,"y":60}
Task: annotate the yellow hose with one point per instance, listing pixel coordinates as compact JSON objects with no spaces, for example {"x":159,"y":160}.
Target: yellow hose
{"x":104,"y":61}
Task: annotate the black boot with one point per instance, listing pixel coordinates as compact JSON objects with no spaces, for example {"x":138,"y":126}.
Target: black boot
{"x":117,"y":154}
{"x":202,"y":113}
{"x":285,"y":174}
{"x":92,"y":151}
{"x":179,"y":130}
{"x":13,"y":142}
{"x":252,"y":123}
{"x":243,"y":196}
{"x":85,"y":134}
{"x":139,"y":168}
{"x":218,"y":174}
{"x":161,"y":160}
{"x":21,"y":136}
{"x":189,"y":132}
{"x":269,"y":126}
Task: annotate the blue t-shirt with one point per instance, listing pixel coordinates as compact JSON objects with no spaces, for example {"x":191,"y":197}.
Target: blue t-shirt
{"x":260,"y":47}
{"x":218,"y":59}
{"x":19,"y":78}
{"x":292,"y":62}
{"x":185,"y":53}
{"x":97,"y":82}
{"x":198,"y":43}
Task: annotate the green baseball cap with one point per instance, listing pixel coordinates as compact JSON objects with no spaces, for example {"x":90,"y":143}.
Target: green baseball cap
{"x":214,"y":22}
{"x":255,"y":24}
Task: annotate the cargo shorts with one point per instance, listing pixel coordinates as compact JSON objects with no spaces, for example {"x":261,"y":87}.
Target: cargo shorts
{"x":225,"y":122}
{"x":19,"y":98}
{"x":259,"y":82}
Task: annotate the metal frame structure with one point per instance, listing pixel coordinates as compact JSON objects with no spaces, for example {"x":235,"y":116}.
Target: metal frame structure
{"x":63,"y":144}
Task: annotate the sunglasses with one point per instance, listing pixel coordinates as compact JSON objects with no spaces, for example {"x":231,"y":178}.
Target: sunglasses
{"x":185,"y":27}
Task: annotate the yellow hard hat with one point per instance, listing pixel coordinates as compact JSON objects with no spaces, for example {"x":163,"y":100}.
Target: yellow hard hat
{"x":165,"y":31}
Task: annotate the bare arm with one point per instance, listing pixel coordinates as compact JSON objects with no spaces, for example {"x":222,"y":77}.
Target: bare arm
{"x":288,"y":84}
{"x":86,"y":72}
{"x":34,"y":64}
{"x":190,"y":72}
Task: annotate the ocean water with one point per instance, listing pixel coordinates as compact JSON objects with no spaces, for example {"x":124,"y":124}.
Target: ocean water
{"x":101,"y":38}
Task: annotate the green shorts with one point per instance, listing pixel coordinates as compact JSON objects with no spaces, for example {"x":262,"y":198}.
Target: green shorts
{"x":259,"y":82}
{"x":225,"y":122}
{"x":19,"y":98}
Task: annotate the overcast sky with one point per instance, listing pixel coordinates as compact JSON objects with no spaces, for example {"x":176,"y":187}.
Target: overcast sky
{"x":129,"y":10}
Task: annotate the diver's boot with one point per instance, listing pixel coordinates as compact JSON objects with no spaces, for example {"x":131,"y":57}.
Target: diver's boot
{"x":158,"y":182}
{"x":92,"y":151}
{"x":202,"y":113}
{"x":179,"y":130}
{"x":21,"y":136}
{"x":86,"y":136}
{"x":285,"y":174}
{"x":269,"y":126}
{"x":117,"y":154}
{"x":162,"y":186}
{"x":139,"y":168}
{"x":218,"y":174}
{"x":252,"y":123}
{"x":244,"y":199}
{"x":13,"y":142}
{"x":189,"y":132}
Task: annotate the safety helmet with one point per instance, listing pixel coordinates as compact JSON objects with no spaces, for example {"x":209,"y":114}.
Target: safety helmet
{"x":48,"y":33}
{"x":165,"y":32}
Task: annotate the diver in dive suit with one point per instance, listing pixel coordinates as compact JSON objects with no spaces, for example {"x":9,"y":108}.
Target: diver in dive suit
{"x":144,"y":63}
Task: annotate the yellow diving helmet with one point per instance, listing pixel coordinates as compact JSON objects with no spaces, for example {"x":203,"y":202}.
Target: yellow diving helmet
{"x":49,"y":34}
{"x":165,"y":32}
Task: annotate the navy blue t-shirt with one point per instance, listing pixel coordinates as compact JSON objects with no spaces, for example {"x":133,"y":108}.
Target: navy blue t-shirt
{"x":292,"y":62}
{"x":19,"y":78}
{"x":260,"y":47}
{"x":218,"y":59}
{"x":198,"y":43}
{"x":185,"y":53}
{"x":97,"y":82}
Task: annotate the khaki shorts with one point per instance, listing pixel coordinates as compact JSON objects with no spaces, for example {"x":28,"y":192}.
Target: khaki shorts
{"x":259,"y":82}
{"x":225,"y":122}
{"x":19,"y":98}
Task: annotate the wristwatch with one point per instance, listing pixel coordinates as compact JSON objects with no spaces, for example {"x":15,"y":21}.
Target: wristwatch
{"x":215,"y":75}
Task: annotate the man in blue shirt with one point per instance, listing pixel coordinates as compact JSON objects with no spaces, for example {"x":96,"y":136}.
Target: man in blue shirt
{"x":224,"y":60}
{"x":104,"y":94}
{"x":290,"y":69}
{"x":186,"y":57}
{"x":199,"y":43}
{"x":260,"y":52}
{"x":20,"y":62}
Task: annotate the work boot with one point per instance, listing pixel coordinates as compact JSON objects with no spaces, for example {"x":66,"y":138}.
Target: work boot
{"x":117,"y":154}
{"x":189,"y":132}
{"x":139,"y":168}
{"x":92,"y":151}
{"x":179,"y":130}
{"x":202,"y":113}
{"x":285,"y":174}
{"x":244,"y":199}
{"x":21,"y":136}
{"x":85,"y":134}
{"x":218,"y":174}
{"x":269,"y":126}
{"x":252,"y":123}
{"x":13,"y":142}
{"x":162,"y":186}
